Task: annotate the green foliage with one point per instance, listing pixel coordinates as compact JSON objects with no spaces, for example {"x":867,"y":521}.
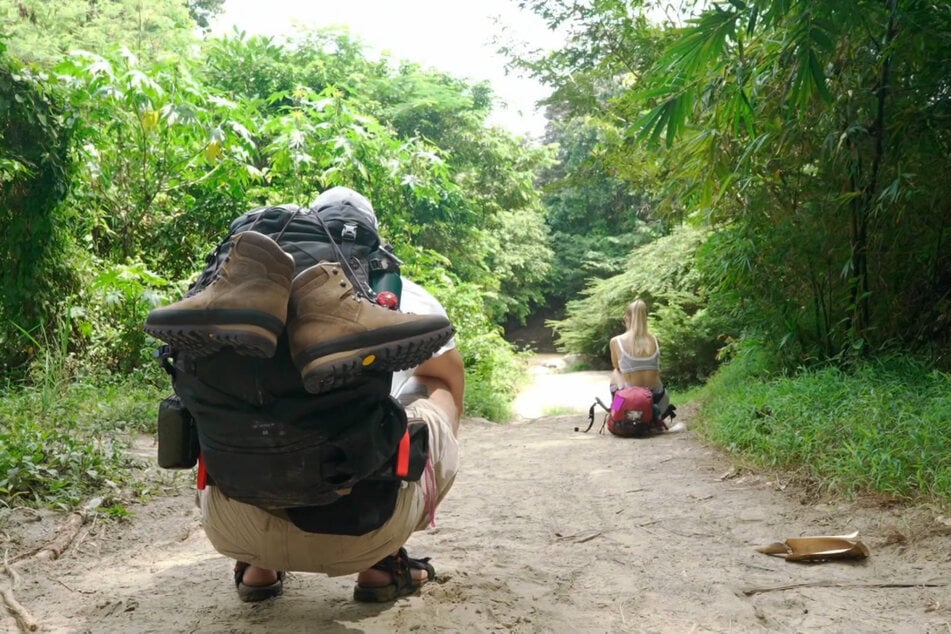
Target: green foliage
{"x":494,"y":370}
{"x":42,"y":32}
{"x":595,"y":218}
{"x":520,"y":259}
{"x":152,"y":139}
{"x":120,"y":299}
{"x":812,"y":136}
{"x":62,"y":437}
{"x":882,"y":426}
{"x":559,"y":410}
{"x":34,"y":143}
{"x":202,"y":11}
{"x":53,"y":465}
{"x":429,"y":104}
{"x":663,"y":274}
{"x":808,"y":132}
{"x":605,"y":40}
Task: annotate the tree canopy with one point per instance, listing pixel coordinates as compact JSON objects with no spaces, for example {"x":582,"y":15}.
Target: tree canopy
{"x":165,"y":150}
{"x":811,"y":135}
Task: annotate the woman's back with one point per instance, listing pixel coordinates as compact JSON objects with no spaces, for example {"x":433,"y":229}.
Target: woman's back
{"x":637,"y":360}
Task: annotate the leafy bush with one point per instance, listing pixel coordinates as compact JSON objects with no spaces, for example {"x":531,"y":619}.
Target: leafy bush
{"x":34,"y":144}
{"x":882,"y":426}
{"x":662,"y":273}
{"x":122,"y":296}
{"x":52,"y":464}
{"x":494,"y":370}
{"x":62,"y":439}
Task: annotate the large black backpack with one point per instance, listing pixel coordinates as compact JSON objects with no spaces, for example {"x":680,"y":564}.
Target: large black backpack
{"x":327,"y":461}
{"x":335,"y":233}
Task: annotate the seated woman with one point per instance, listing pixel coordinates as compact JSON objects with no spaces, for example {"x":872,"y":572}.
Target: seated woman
{"x":635,"y":356}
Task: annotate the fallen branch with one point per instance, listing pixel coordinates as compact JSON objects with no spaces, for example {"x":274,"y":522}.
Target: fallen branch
{"x":65,"y":535}
{"x":579,"y":538}
{"x":23,"y":617}
{"x":587,"y":538}
{"x":835,"y":584}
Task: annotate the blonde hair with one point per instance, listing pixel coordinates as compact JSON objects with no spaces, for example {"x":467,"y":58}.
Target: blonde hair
{"x":635,"y":318}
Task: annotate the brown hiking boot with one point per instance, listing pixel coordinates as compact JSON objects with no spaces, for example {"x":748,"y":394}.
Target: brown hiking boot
{"x":244,"y":307}
{"x":335,"y":334}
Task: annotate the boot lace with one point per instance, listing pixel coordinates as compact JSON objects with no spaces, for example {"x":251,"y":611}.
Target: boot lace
{"x":361,"y":288}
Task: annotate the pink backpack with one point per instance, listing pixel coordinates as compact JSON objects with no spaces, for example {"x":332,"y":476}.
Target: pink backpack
{"x":632,"y":412}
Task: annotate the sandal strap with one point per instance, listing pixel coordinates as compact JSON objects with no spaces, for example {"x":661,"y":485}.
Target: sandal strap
{"x":400,"y":567}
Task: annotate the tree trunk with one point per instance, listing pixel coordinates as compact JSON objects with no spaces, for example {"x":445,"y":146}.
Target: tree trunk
{"x":864,"y":204}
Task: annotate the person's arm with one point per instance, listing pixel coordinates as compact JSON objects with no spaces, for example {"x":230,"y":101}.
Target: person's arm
{"x":441,"y":379}
{"x":617,"y":379}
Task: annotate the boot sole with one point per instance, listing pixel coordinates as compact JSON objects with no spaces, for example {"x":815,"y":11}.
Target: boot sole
{"x":340,"y":368}
{"x":204,"y":340}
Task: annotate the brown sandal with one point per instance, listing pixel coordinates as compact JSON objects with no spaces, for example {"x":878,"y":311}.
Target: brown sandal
{"x":252,"y":594}
{"x":399,"y":567}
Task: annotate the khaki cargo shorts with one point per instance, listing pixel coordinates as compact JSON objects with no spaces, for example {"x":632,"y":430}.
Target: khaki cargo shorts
{"x":247,"y":533}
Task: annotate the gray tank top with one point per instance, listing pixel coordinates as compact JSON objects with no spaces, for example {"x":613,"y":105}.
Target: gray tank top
{"x":627,"y":363}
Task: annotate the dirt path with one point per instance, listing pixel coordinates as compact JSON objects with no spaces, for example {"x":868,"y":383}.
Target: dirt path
{"x":546,"y":530}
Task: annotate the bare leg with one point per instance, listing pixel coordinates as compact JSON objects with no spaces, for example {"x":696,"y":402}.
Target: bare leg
{"x":255,"y":576}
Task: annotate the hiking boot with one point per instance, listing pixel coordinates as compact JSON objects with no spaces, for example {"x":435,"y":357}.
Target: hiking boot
{"x":244,"y":307}
{"x":335,"y":334}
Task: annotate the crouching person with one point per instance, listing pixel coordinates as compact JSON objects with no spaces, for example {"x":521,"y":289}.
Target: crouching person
{"x":265,"y":543}
{"x":326,"y":414}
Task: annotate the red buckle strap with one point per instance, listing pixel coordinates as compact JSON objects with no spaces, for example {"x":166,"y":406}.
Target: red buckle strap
{"x":402,"y":456}
{"x":202,"y":474}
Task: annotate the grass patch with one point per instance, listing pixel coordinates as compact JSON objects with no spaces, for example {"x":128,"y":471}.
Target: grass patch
{"x":63,"y":442}
{"x":881,"y":427}
{"x":683,"y":396}
{"x":576,"y":366}
{"x":559,"y":410}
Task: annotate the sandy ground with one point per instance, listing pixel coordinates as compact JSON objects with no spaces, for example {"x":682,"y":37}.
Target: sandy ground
{"x":545,"y":530}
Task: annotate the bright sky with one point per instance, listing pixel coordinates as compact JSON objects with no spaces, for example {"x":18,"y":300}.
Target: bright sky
{"x":453,"y":36}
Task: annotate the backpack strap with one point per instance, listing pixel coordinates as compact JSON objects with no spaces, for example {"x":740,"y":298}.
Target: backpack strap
{"x":590,"y":419}
{"x":597,"y":401}
{"x":344,"y":260}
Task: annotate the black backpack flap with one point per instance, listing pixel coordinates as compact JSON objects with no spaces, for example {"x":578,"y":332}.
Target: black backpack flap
{"x":275,"y":381}
{"x":303,"y":460}
{"x":418,"y":454}
{"x":267,"y":441}
{"x":371,"y":502}
{"x":367,"y":508}
{"x":300,"y":468}
{"x":365,"y":447}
